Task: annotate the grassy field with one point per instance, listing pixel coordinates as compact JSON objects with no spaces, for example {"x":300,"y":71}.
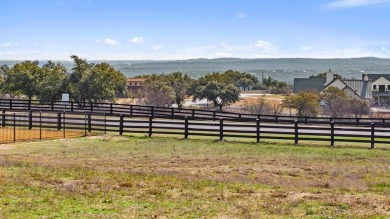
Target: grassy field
{"x":139,"y":177}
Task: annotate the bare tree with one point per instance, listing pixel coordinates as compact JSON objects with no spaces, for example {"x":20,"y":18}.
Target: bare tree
{"x":262,"y":106}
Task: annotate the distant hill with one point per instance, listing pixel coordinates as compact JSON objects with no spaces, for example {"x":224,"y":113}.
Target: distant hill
{"x":281,"y":69}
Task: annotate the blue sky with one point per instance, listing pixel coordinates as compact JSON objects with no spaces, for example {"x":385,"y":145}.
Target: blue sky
{"x":185,"y":29}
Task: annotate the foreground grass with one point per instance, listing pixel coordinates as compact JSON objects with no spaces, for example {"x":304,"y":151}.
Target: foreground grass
{"x":132,"y":177}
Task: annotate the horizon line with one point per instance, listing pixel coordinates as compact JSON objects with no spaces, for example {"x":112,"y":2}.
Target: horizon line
{"x":362,"y":57}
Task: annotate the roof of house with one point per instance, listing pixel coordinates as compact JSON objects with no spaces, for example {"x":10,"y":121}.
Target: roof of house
{"x":136,"y":79}
{"x":314,"y":83}
{"x":375,"y":77}
{"x":362,"y":88}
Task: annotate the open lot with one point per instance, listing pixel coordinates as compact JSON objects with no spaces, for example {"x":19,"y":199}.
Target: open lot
{"x":133,"y":177}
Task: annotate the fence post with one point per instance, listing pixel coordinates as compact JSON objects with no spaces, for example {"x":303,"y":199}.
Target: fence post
{"x":193,"y":113}
{"x":372,"y":135}
{"x":64,"y":122}
{"x":131,"y":110}
{"x":331,"y":133}
{"x":30,"y":123}
{"x":121,"y":124}
{"x":58,"y":121}
{"x":111,"y":110}
{"x":150,"y":125}
{"x":14,"y":128}
{"x":296,"y":130}
{"x":89,"y":122}
{"x":277,"y":118}
{"x":257,"y":130}
{"x":40,"y":125}
{"x":91,"y":106}
{"x":29,"y":104}
{"x":220,"y":129}
{"x":71,"y":106}
{"x":152,"y":110}
{"x":186,"y":128}
{"x":105,"y":122}
{"x":172,"y":111}
{"x":213,"y":115}
{"x":52,"y":106}
{"x":3,"y":118}
{"x":305,"y":119}
{"x":10,"y":103}
{"x":85,"y":123}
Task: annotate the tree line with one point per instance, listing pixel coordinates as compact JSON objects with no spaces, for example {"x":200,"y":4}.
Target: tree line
{"x":87,"y":82}
{"x":222,"y":89}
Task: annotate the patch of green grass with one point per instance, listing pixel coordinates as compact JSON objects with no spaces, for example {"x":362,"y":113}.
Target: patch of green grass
{"x":133,"y":177}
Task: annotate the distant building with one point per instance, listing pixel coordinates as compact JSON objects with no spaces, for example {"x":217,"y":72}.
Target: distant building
{"x":380,"y":88}
{"x":135,"y":84}
{"x":355,"y":88}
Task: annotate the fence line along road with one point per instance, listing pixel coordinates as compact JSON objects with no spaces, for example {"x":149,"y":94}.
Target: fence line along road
{"x":86,"y":122}
{"x":140,"y":110}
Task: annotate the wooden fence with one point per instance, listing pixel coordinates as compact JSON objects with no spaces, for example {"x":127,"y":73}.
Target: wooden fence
{"x":83,"y":123}
{"x":140,"y":110}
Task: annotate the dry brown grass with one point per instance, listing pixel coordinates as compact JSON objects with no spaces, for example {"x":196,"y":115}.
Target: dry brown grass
{"x":119,"y":177}
{"x":23,"y":134}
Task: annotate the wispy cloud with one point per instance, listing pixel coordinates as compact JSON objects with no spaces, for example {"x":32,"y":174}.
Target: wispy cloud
{"x":7,"y":53}
{"x":241,"y":14}
{"x":385,"y":50}
{"x":305,"y":48}
{"x":137,"y":40}
{"x":340,"y":4}
{"x":9,"y":45}
{"x":111,"y":42}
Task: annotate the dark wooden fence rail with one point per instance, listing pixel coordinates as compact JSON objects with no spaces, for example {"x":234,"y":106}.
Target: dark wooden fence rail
{"x":221,"y":128}
{"x":140,"y":110}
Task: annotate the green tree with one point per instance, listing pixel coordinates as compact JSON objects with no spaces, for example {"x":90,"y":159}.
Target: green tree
{"x":53,"y":83}
{"x":23,"y":79}
{"x":158,"y":93}
{"x":90,"y":82}
{"x":336,"y":101}
{"x":219,"y":93}
{"x":180,"y":84}
{"x":307,"y":103}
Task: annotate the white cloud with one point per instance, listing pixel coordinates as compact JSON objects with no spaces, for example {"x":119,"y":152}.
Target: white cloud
{"x":157,"y":47}
{"x":9,"y":45}
{"x":137,"y":40}
{"x":111,"y":42}
{"x":305,"y":48}
{"x":384,"y":49}
{"x":263,"y":45}
{"x":339,"y":4}
{"x":241,"y":15}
